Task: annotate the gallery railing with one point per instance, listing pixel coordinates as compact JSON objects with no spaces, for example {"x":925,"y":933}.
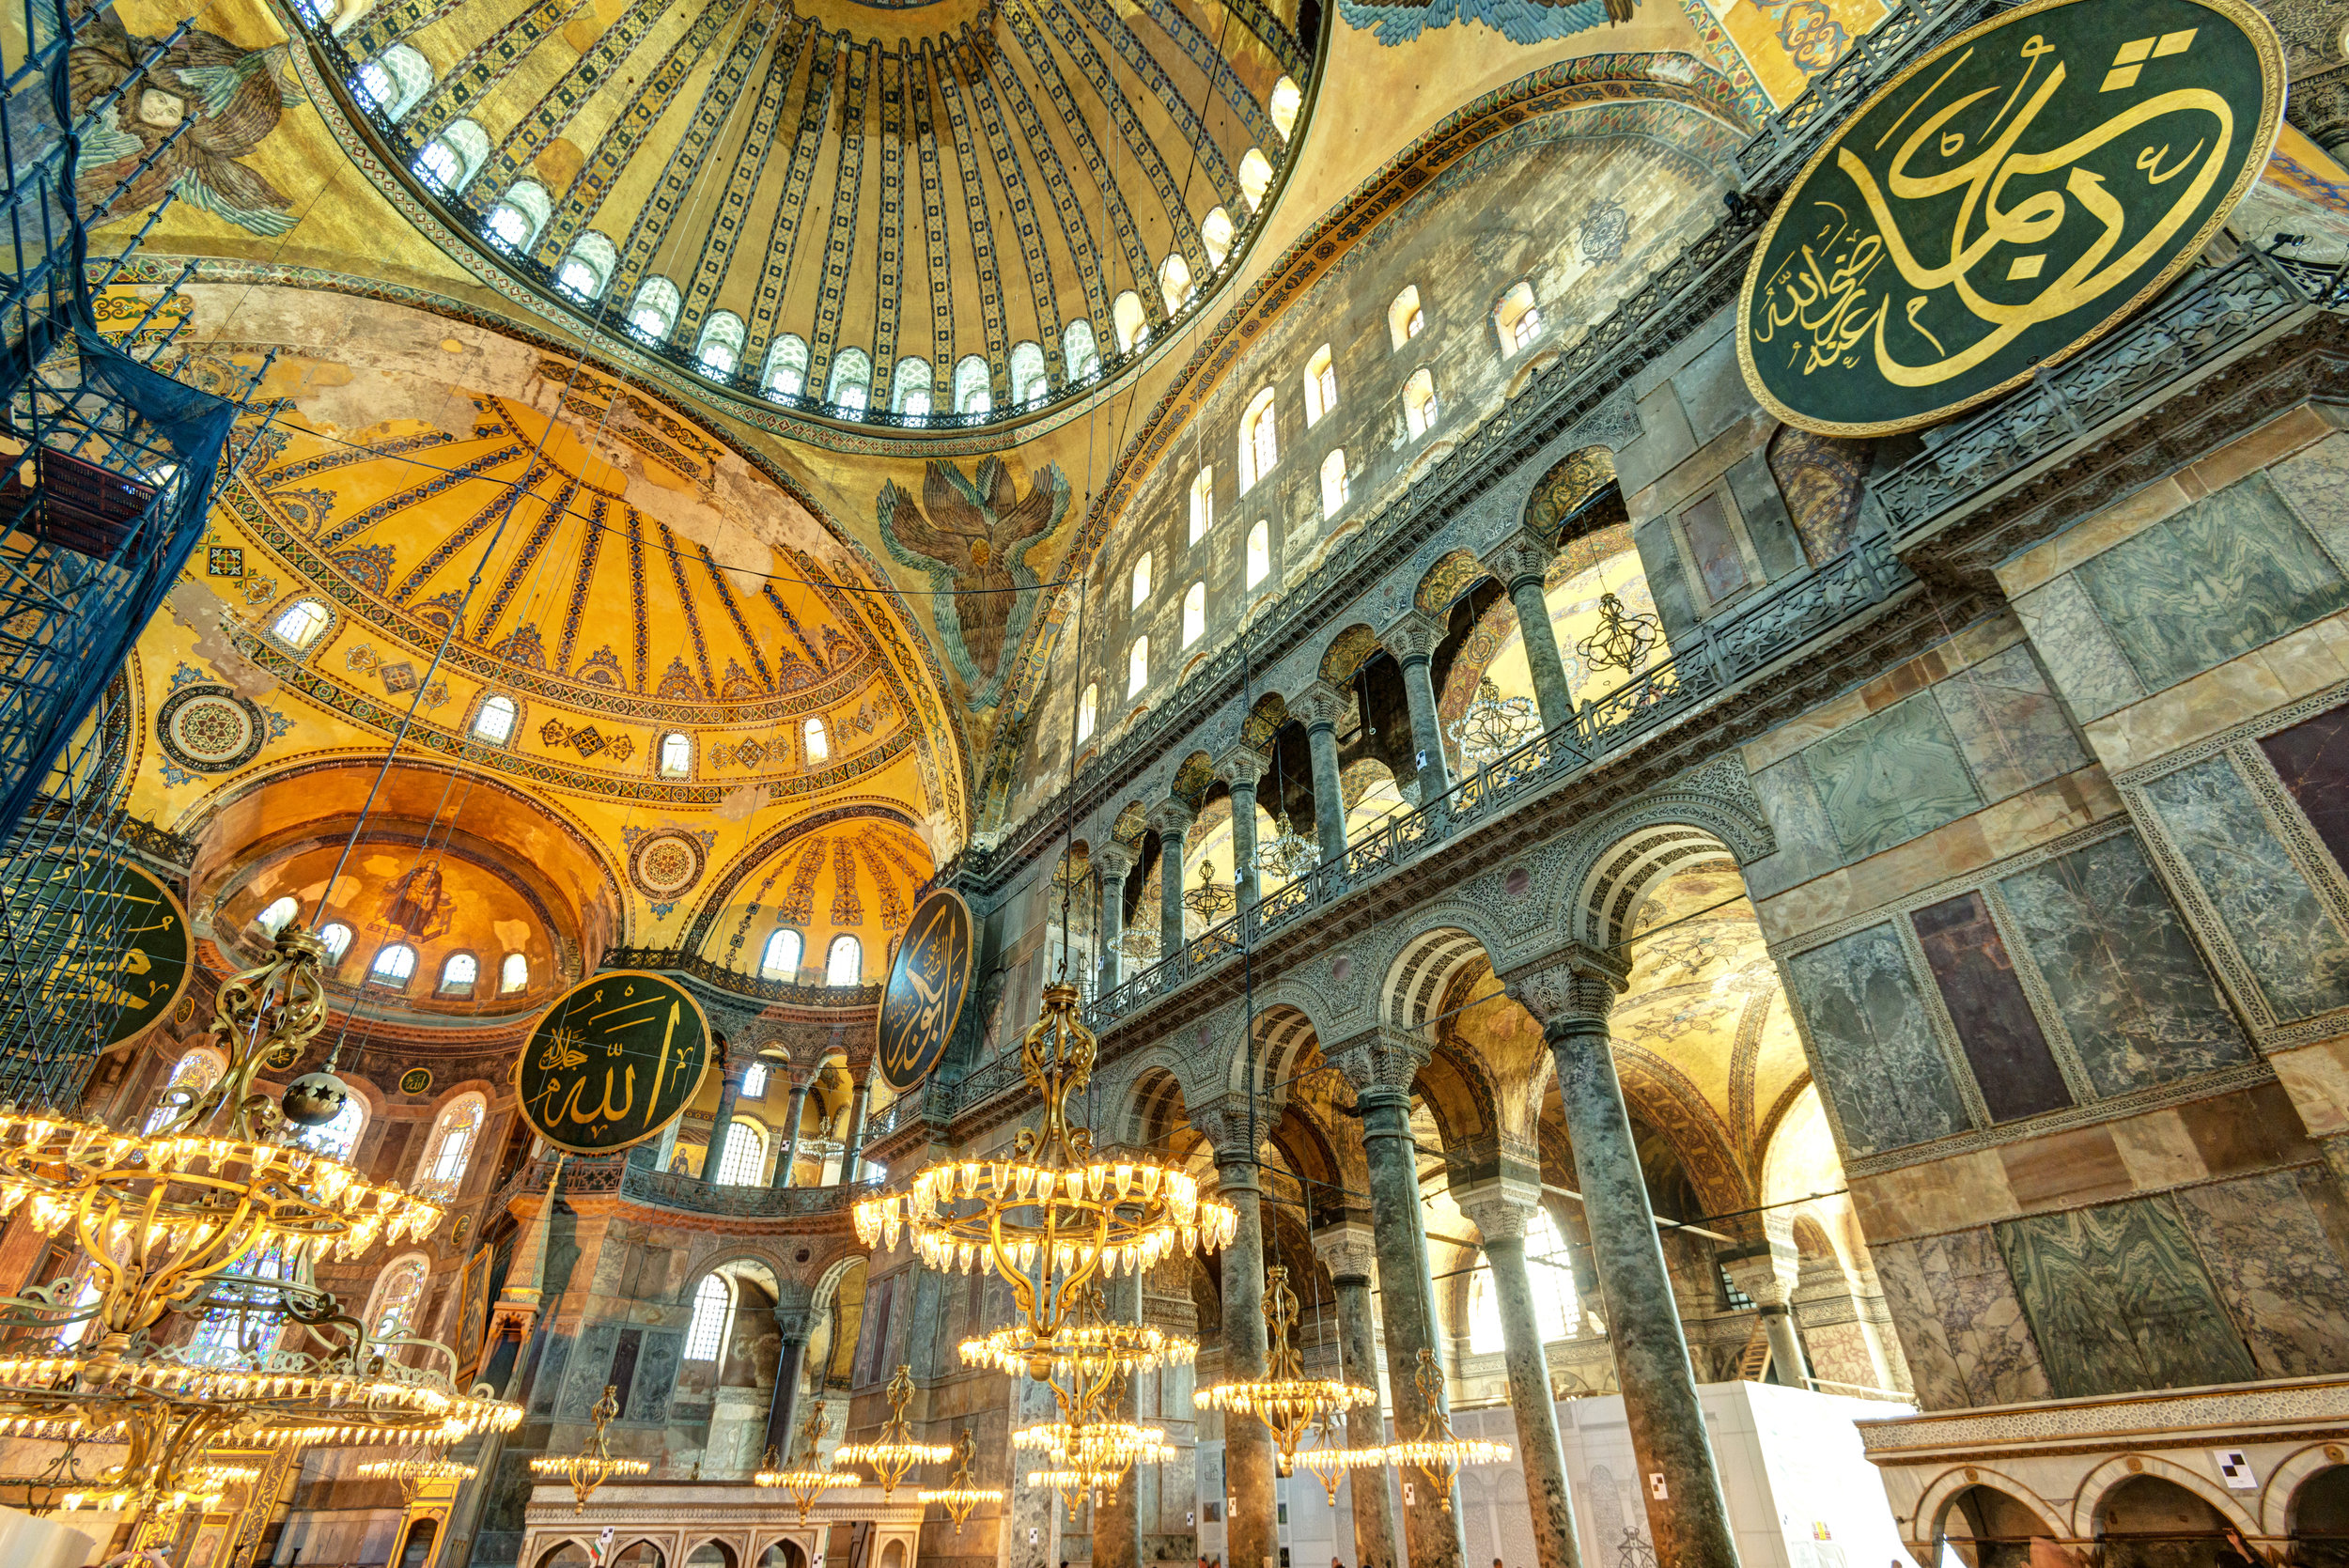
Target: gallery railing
{"x":613,"y":1176}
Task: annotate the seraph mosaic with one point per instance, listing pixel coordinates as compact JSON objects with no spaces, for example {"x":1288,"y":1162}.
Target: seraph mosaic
{"x":1518,"y":21}
{"x":972,"y":534}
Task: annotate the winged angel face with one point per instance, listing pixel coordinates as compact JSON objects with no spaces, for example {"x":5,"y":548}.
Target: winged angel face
{"x":973,"y":532}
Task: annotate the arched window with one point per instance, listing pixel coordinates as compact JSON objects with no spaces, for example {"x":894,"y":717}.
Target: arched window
{"x":194,"y":1072}
{"x":395,"y":966}
{"x":1259,"y":554}
{"x":518,"y":215}
{"x":1515,"y":318}
{"x":1194,"y":614}
{"x":1259,"y":442}
{"x":459,"y":974}
{"x":449,"y":161}
{"x":844,"y":965}
{"x":1419,"y":401}
{"x":279,"y":915}
{"x":781,"y":961}
{"x":1215,"y":232}
{"x":395,"y":80}
{"x":676,"y":756}
{"x":1138,"y":666}
{"x":746,"y":1149}
{"x":299,"y":624}
{"x":1174,"y":282}
{"x":1030,"y":385}
{"x":336,"y":937}
{"x":247,"y":1317}
{"x":1334,"y":484}
{"x":1202,"y":503}
{"x":1142,"y":580}
{"x":851,"y":381}
{"x":1550,"y":1271}
{"x":786,"y":366}
{"x":972,"y":393}
{"x":909,"y":388}
{"x":1286,"y":101}
{"x":818,"y":745}
{"x":449,"y":1150}
{"x":1128,"y":320}
{"x":721,"y":347}
{"x":1321,"y":385}
{"x":398,"y":1298}
{"x":1255,"y":177}
{"x":755,"y":1081}
{"x":713,"y":1304}
{"x":337,"y":1136}
{"x":514,"y":974}
{"x":653,"y":311}
{"x":494,"y":724}
{"x":1078,"y":354}
{"x":1088,"y":711}
{"x":1405,"y":319}
{"x":588,"y":266}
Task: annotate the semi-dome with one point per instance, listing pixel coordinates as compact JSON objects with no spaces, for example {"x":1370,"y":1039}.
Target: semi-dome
{"x":908,"y":214}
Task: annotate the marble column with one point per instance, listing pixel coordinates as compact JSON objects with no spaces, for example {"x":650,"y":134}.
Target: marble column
{"x":1413,"y":640}
{"x":1243,"y":766}
{"x":1522,"y":564}
{"x":1117,"y":1515}
{"x":1349,"y":1253}
{"x":1113,"y":863}
{"x":787,"y":1161}
{"x":1323,"y":707}
{"x":792,"y":1323}
{"x":1766,"y":1272}
{"x":1571,"y":995}
{"x":729,"y":1089}
{"x":1172,"y":819}
{"x":1381,"y":1067}
{"x":1500,"y":1209}
{"x":853,"y":1150}
{"x":1251,"y":1537}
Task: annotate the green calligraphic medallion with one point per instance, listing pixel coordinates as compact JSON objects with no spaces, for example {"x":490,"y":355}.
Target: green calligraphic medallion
{"x":117,"y":936}
{"x":2008,"y":199}
{"x":616,"y":1059}
{"x":927,"y":986}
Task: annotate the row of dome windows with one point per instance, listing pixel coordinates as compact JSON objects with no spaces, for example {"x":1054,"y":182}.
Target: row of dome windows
{"x":844,"y":961}
{"x":394,"y":963}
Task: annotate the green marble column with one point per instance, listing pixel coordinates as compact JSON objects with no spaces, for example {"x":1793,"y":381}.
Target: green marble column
{"x":1112,"y":864}
{"x":1501,"y":1216}
{"x":1173,"y":820}
{"x":1321,"y":741}
{"x":1413,"y":642}
{"x":1551,"y":692}
{"x":1348,"y":1253}
{"x":1252,"y":1535}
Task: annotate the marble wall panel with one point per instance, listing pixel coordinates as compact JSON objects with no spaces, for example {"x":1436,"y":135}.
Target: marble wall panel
{"x":1961,"y":1324}
{"x":2085,"y":658}
{"x":2119,"y":1301}
{"x":2292,"y":945}
{"x":2230,"y":572}
{"x":2312,"y":759}
{"x":591,"y":1364}
{"x":2008,"y":725}
{"x":2316,"y":483}
{"x":2135,"y":996}
{"x":1891,"y":776}
{"x":656,"y":1376}
{"x":1879,"y":1060}
{"x":2277,"y":1265}
{"x":545,"y":1382}
{"x":1806,"y":845}
{"x":2003,"y":1041}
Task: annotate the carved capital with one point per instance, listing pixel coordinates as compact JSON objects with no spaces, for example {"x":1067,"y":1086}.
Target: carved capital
{"x":793,"y":1323}
{"x":1521,"y":559}
{"x":1224,"y":1124}
{"x":1577,"y":983}
{"x":1765,"y":1272}
{"x":1242,"y":766}
{"x":1414,"y":636}
{"x":1382,"y":1057}
{"x":1500,"y":1208}
{"x":1172,"y":819}
{"x":1322,"y":706}
{"x":1112,"y":860}
{"x":1347,"y":1251}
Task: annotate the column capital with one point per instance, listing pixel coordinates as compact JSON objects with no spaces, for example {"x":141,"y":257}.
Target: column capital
{"x":737,"y":1068}
{"x":1172,"y":819}
{"x":793,"y":1323}
{"x":1413,"y":636}
{"x":1242,"y":766}
{"x":1347,"y":1251}
{"x":1521,"y":558}
{"x":1321,"y":704}
{"x":1500,"y":1208}
{"x":1766,"y":1271}
{"x":1577,"y":982}
{"x":1382,"y":1057}
{"x":1224,"y":1124}
{"x":1111,"y":859}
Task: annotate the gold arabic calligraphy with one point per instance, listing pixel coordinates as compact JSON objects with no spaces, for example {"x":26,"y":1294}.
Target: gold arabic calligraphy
{"x":583,"y":1029}
{"x":933,"y":968}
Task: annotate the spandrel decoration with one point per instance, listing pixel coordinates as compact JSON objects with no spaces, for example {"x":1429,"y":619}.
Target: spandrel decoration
{"x":2005,"y":201}
{"x":612,"y":1062}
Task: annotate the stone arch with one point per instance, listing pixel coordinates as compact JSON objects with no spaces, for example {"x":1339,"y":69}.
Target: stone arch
{"x":1284,"y":1032}
{"x":1347,"y":652}
{"x":1264,"y":720}
{"x":1945,"y":1489}
{"x":1566,"y":486}
{"x":2280,"y":1500}
{"x":1452,"y":575}
{"x":1445,"y":939}
{"x":2098,"y":1485}
{"x":1131,"y":822}
{"x":1193,"y":777}
{"x":1620,"y":859}
{"x":1459,"y":1093}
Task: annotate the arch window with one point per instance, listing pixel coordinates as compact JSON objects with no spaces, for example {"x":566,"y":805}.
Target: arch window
{"x":1321,"y":385}
{"x":395,"y":80}
{"x":1030,"y":385}
{"x":909,"y":388}
{"x":851,"y":381}
{"x":653,"y":311}
{"x":514,"y":974}
{"x":1128,"y":321}
{"x":196,"y":1072}
{"x":245,"y":1317}
{"x":745,"y":1150}
{"x":713,"y":1304}
{"x":1334,"y":484}
{"x":754,"y":1080}
{"x":1515,"y":318}
{"x":1202,"y":503}
{"x":338,"y":1136}
{"x":1259,"y":554}
{"x":818,"y":745}
{"x":494,"y":724}
{"x":395,"y":966}
{"x":1174,"y":282}
{"x":1142,"y":580}
{"x":1088,"y":712}
{"x":336,"y":936}
{"x":1419,"y":401}
{"x":1138,"y":666}
{"x":971,"y":392}
{"x":1405,"y":319}
{"x":1194,"y":614}
{"x":781,"y":961}
{"x":398,"y":1298}
{"x":1287,"y":99}
{"x":518,"y":215}
{"x":1548,"y":1269}
{"x":1259,"y":442}
{"x":459,"y":974}
{"x":1079,"y":352}
{"x":1255,"y":177}
{"x":279,"y":915}
{"x":676,"y":756}
{"x":449,"y":161}
{"x":1216,"y":232}
{"x":844,"y":963}
{"x":786,"y":366}
{"x":299,"y":624}
{"x":449,"y":1150}
{"x":587,"y":267}
{"x":721,"y":347}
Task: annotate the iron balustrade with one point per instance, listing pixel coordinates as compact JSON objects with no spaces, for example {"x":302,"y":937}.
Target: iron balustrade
{"x":613,"y":1176}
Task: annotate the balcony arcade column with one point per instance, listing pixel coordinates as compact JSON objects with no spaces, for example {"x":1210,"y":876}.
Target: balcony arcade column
{"x":1323,"y":705}
{"x":1172,"y":819}
{"x":1413,"y":640}
{"x":1350,"y":1255}
{"x":1500,"y":1209}
{"x":1118,"y":1513}
{"x":1571,"y":994}
{"x":787,"y":1161}
{"x":1380,"y":1063}
{"x":1520,"y":564}
{"x":1766,"y":1272}
{"x":794,"y":1316}
{"x":852,"y":1148}
{"x":736,"y":1068}
{"x":1252,"y":1538}
{"x":1113,"y":861}
{"x":1243,"y":766}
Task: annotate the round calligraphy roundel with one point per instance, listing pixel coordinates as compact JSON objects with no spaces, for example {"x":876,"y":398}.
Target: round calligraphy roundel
{"x":210,"y":729}
{"x":2005,"y":201}
{"x":927,"y":986}
{"x":115,"y":941}
{"x":616,"y":1059}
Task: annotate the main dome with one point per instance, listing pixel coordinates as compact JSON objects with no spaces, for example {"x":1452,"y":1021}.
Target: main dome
{"x":909,"y":213}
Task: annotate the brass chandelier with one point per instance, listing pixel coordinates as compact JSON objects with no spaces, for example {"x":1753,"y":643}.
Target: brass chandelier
{"x":413,"y":1474}
{"x":595,"y":1462}
{"x":1085,"y":1360}
{"x":1284,"y":1399}
{"x":962,"y":1494}
{"x":809,"y":1478}
{"x":895,"y":1452}
{"x":1437,"y":1454}
{"x":1330,"y":1459}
